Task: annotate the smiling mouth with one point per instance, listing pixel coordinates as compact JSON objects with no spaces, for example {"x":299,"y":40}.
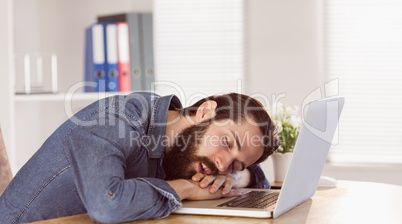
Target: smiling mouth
{"x":202,"y":168}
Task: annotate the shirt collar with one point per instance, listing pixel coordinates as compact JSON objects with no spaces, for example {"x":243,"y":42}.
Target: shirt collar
{"x":157,"y":127}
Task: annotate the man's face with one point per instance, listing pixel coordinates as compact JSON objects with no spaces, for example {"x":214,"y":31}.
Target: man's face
{"x":219,"y":148}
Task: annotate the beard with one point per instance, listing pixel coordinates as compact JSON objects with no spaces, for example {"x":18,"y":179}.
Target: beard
{"x":180,"y":157}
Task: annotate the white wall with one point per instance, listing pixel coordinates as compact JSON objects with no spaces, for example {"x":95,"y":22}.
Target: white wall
{"x":285,"y":55}
{"x":284,"y":51}
{"x":284,"y":48}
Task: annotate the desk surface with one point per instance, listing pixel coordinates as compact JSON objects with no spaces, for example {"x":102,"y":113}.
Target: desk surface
{"x":349,"y":202}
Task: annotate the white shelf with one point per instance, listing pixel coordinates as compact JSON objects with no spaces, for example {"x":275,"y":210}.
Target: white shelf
{"x":60,"y":97}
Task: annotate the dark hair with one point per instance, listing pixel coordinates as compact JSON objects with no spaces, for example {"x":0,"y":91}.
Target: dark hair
{"x":238,"y":107}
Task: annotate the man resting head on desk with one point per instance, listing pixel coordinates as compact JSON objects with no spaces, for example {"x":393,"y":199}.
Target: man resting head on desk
{"x":137,"y":156}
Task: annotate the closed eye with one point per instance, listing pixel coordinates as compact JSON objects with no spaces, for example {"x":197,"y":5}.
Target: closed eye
{"x":226,"y":142}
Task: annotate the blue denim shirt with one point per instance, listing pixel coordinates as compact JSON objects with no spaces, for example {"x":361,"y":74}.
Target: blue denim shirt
{"x":106,"y":161}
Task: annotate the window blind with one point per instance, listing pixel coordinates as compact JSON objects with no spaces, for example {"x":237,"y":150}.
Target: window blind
{"x":364,"y":50}
{"x":199,"y":47}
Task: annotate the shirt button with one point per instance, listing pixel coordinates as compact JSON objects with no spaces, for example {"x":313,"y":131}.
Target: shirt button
{"x":110,"y":194}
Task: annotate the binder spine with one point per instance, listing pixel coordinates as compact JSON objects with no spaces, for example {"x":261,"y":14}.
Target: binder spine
{"x":111,"y":58}
{"x":133,"y":22}
{"x":148,"y":51}
{"x":95,"y":59}
{"x":124,"y":57}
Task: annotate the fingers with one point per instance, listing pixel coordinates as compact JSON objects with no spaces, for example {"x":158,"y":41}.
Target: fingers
{"x":216,"y":182}
{"x":198,"y":193}
{"x":205,"y":180}
{"x":228,"y":185}
{"x":208,"y":180}
{"x":233,"y":193}
{"x":198,"y":177}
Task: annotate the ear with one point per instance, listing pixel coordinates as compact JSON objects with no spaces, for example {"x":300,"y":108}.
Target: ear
{"x":206,"y":111}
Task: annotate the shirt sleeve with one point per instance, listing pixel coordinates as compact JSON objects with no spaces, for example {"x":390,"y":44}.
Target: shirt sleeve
{"x":259,"y":177}
{"x":98,"y":162}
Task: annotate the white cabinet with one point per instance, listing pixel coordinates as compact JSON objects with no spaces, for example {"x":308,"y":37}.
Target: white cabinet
{"x":36,"y":26}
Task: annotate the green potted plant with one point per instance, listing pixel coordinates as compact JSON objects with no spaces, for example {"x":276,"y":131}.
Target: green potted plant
{"x":288,"y":123}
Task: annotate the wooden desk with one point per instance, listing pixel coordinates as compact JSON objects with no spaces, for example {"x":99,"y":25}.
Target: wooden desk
{"x":350,"y":202}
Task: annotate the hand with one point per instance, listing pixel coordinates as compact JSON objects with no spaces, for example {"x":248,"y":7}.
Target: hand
{"x":198,"y":193}
{"x":188,"y":189}
{"x":216,"y":181}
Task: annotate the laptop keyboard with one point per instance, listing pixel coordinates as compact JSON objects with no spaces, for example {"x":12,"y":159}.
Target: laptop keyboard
{"x":253,"y":199}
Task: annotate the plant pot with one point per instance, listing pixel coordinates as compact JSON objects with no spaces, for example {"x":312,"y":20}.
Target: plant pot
{"x":281,"y":162}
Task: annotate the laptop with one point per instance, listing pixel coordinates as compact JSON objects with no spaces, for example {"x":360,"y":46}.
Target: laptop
{"x":310,"y":153}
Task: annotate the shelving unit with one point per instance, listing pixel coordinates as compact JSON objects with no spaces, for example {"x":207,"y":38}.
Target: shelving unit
{"x":47,"y":26}
{"x":6,"y":86}
{"x":64,"y":97}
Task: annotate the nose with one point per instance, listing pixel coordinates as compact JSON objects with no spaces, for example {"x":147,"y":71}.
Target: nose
{"x":224,"y":165}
